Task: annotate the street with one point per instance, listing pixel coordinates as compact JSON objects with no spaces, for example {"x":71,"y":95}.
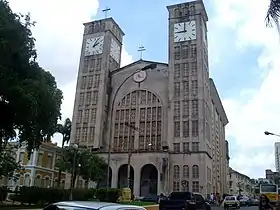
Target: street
{"x":242,"y":208}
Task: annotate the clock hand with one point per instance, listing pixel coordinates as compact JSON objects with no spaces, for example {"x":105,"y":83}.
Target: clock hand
{"x":181,"y":31}
{"x":96,"y":42}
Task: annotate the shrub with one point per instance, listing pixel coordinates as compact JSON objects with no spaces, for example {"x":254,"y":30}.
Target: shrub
{"x":110,"y":195}
{"x":3,"y":193}
{"x":30,"y":195}
{"x":37,"y":195}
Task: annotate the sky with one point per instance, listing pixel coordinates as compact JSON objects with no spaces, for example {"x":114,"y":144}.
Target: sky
{"x":243,"y":60}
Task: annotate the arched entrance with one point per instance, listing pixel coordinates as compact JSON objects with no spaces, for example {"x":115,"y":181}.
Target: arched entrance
{"x":122,"y":177}
{"x":149,"y":180}
{"x":103,"y":182}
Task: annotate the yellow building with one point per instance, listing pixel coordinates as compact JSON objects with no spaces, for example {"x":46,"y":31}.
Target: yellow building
{"x":39,"y":169}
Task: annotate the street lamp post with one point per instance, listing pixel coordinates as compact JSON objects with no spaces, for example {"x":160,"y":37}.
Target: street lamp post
{"x":132,"y":128}
{"x":271,"y":134}
{"x":75,"y":147}
{"x":145,"y":68}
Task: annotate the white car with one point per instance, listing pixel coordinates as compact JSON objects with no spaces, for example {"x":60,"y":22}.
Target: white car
{"x":91,"y":205}
{"x":231,"y":202}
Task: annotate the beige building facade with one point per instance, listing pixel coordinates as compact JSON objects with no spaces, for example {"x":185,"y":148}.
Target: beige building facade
{"x":40,"y":169}
{"x":240,"y":183}
{"x":220,"y":150}
{"x":175,"y":111}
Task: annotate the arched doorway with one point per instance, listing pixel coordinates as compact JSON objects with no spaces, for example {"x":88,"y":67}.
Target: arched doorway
{"x":103,"y":182}
{"x":149,"y":180}
{"x":122,"y":177}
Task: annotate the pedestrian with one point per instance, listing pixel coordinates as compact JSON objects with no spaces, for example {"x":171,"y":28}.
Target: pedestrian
{"x":264,"y":203}
{"x":212,"y":198}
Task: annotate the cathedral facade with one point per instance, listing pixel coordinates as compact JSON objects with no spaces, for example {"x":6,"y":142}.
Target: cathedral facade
{"x":165,"y":120}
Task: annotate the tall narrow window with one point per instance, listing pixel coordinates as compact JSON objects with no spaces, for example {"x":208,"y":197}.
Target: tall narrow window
{"x":195,"y":108}
{"x":185,"y":70}
{"x":89,"y":82}
{"x":176,"y":71}
{"x":185,"y":51}
{"x":186,"y":89}
{"x":186,"y":129}
{"x":193,"y":51}
{"x":177,"y":53}
{"x":194,"y":87}
{"x":176,"y":172}
{"x":194,"y":128}
{"x":185,"y":108}
{"x":177,"y":110}
{"x":177,"y":89}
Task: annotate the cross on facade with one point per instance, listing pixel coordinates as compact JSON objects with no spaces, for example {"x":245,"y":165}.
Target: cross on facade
{"x":141,"y":49}
{"x":106,"y":10}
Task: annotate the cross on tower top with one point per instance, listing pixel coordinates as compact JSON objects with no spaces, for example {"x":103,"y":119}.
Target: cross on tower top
{"x":141,"y":49}
{"x":106,"y":10}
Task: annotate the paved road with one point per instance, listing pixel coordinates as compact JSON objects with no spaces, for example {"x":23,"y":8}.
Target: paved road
{"x":242,"y":208}
{"x":213,"y":208}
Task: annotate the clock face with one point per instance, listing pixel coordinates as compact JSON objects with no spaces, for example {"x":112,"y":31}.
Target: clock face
{"x":115,"y":51}
{"x":140,"y":76}
{"x":94,"y":46}
{"x":184,"y":31}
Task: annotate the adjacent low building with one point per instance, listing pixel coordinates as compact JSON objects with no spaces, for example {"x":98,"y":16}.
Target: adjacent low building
{"x":272,"y":176}
{"x":240,"y":184}
{"x":40,"y":169}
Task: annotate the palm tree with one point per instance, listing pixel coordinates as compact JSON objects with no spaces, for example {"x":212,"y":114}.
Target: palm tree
{"x":273,"y":14}
{"x":65,"y":131}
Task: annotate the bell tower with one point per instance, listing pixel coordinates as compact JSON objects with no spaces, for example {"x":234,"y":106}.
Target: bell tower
{"x":189,"y":94}
{"x":100,"y":54}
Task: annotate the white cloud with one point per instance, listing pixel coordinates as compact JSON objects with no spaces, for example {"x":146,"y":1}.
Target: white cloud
{"x":58,"y":32}
{"x":260,"y":110}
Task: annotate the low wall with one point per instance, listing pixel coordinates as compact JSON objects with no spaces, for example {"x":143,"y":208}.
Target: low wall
{"x":152,"y":207}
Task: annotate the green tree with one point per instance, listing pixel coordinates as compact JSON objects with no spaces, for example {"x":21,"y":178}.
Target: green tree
{"x":29,"y":97}
{"x":8,"y":163}
{"x":65,"y":131}
{"x":273,"y":13}
{"x":88,"y":165}
{"x":93,"y":167}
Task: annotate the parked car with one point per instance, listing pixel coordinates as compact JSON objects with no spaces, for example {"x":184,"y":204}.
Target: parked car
{"x":244,"y":201}
{"x":253,"y":202}
{"x":153,"y":198}
{"x":201,"y":202}
{"x":231,"y":202}
{"x":184,"y":200}
{"x":90,"y":205}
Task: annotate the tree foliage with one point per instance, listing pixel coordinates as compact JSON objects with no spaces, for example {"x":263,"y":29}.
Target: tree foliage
{"x":88,"y":165}
{"x":273,"y":13}
{"x":29,"y":97}
{"x":8,"y":163}
{"x":65,"y":131}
